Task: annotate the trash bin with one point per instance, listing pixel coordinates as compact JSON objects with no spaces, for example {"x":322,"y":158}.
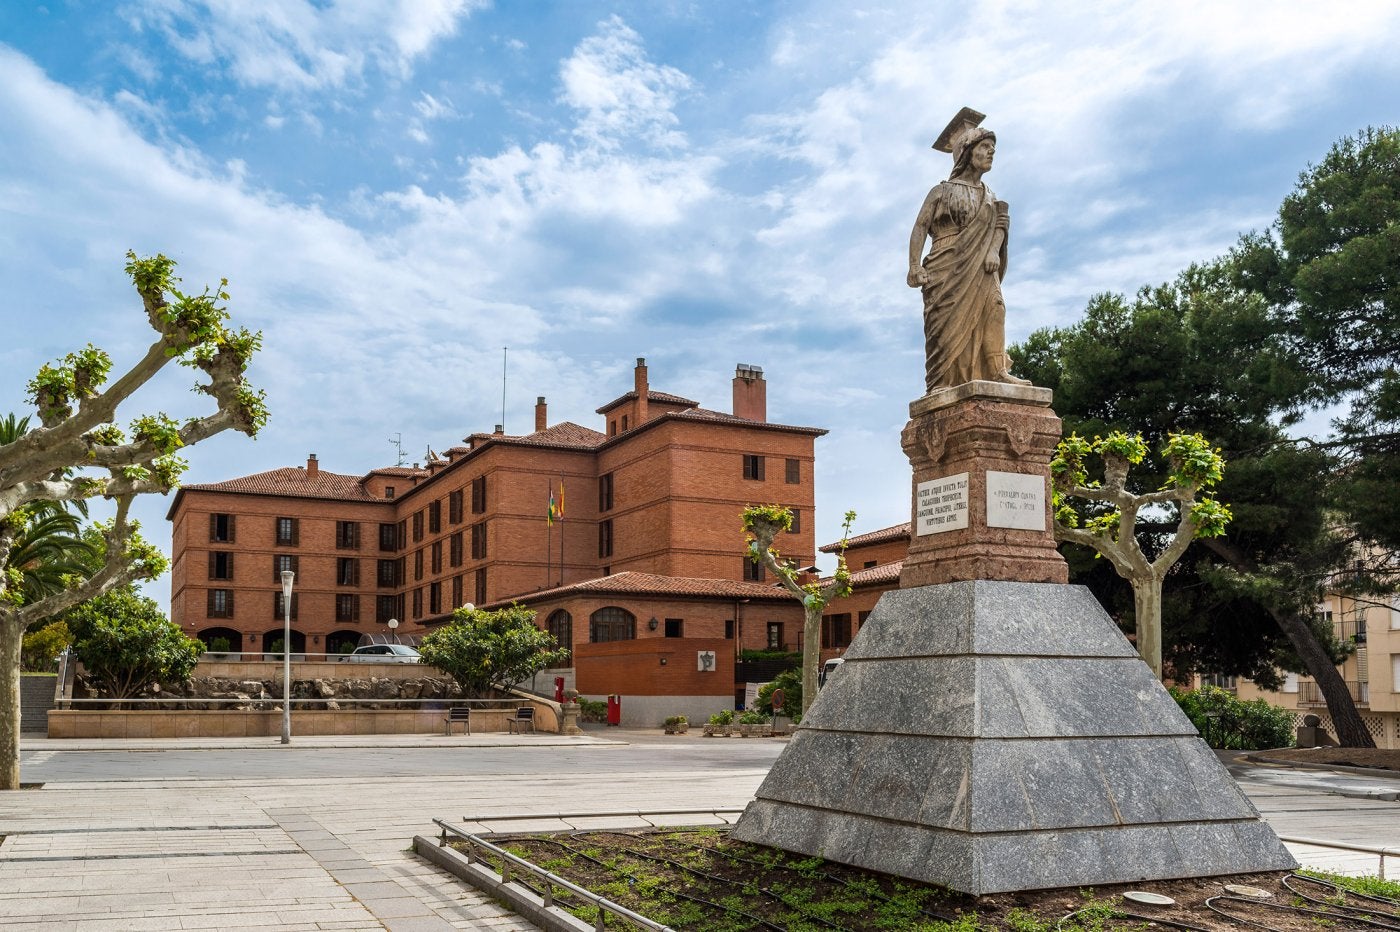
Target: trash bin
{"x":558,"y":689}
{"x":614,"y":710}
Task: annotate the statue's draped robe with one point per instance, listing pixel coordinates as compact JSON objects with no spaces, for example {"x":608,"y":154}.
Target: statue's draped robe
{"x":964,"y":316}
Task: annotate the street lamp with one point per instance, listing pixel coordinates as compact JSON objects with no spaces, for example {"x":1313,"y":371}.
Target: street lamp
{"x":287,"y":577}
{"x":393,"y":630}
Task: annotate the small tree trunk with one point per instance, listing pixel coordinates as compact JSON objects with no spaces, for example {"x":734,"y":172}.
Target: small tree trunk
{"x":1147,"y":611}
{"x":1351,"y":731}
{"x":811,"y":654}
{"x":11,"y":638}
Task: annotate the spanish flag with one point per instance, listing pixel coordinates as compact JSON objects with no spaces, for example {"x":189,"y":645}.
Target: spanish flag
{"x":559,"y":512}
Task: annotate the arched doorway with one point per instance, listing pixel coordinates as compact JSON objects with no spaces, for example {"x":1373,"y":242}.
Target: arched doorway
{"x":611,"y":624}
{"x":341,"y":642}
{"x":221,"y":643}
{"x":272,"y":643}
{"x":560,"y":625}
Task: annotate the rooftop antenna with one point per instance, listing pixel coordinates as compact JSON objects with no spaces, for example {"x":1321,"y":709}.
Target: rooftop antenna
{"x":504,"y":349}
{"x":397,"y":441}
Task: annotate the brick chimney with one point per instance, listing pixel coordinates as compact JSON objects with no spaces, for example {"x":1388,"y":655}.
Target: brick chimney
{"x":639,"y":380}
{"x":313,"y":467}
{"x":541,"y":415}
{"x":750,"y":393}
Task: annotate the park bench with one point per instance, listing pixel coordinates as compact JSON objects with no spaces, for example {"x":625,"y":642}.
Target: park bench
{"x":525,"y":715}
{"x":463,"y":715}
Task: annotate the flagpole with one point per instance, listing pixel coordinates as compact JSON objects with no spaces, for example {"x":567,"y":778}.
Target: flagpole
{"x":561,"y":531}
{"x":548,"y":539}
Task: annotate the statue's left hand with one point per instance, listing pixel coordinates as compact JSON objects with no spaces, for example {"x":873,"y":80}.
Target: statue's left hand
{"x":992,"y":263}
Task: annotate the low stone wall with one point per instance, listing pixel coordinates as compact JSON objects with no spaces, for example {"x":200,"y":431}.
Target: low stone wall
{"x":268,"y":722}
{"x":36,"y":691}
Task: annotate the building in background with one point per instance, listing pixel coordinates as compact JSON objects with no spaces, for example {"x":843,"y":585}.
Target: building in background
{"x":645,"y":511}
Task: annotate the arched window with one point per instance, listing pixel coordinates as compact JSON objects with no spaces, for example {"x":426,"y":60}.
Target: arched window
{"x":221,"y":641}
{"x":340,"y":642}
{"x":272,"y":643}
{"x":611,"y":624}
{"x":560,"y":625}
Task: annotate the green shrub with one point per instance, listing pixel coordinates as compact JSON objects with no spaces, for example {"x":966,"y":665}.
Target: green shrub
{"x":219,"y":645}
{"x":592,"y":711}
{"x":1231,"y":723}
{"x":790,"y":681}
{"x":753,"y":718}
{"x":675,"y":720}
{"x":788,"y":656}
{"x":723,"y":718}
{"x":39,"y":651}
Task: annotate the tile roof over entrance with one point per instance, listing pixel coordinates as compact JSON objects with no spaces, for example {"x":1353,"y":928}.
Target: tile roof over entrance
{"x":647,"y":584}
{"x":293,"y":481}
{"x":884,"y":535}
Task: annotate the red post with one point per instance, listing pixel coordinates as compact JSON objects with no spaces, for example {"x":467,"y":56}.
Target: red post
{"x":558,"y":689}
{"x":614,"y":710}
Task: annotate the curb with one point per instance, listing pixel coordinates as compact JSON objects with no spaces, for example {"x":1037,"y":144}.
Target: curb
{"x":522,"y":901}
{"x":1259,"y":758}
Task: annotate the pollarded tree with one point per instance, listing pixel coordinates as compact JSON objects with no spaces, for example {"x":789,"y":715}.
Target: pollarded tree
{"x":78,"y":452}
{"x":484,"y":650}
{"x":766,"y":522}
{"x":1194,"y":467}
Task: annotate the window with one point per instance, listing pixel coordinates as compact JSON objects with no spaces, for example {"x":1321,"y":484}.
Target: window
{"x":347,"y":535}
{"x":868,"y":564}
{"x":418,"y":564}
{"x":437,"y":557}
{"x":605,"y":538}
{"x":611,"y":624}
{"x":479,"y":540}
{"x":388,"y":538}
{"x":454,"y":507}
{"x":796,"y":527}
{"x":754,"y":572}
{"x":457,"y":591}
{"x":387,"y":576}
{"x":418,"y":602}
{"x":281,"y":563}
{"x":277,"y":605}
{"x":347,"y":607}
{"x":836,"y":630}
{"x":674,"y":627}
{"x":435,"y":598}
{"x":860,"y":620}
{"x":435,"y":517}
{"x":560,"y":626}
{"x":775,"y":635}
{"x":1220,"y":681}
{"x":417,"y":526}
{"x":220,"y":564}
{"x":624,"y":422}
{"x":220,"y":603}
{"x":794,"y":472}
{"x":480,"y":586}
{"x":388,"y":491}
{"x":402,"y":535}
{"x":454,"y":554}
{"x":753,"y":466}
{"x":287,"y":532}
{"x":605,"y":492}
{"x":400,"y":571}
{"x":479,"y":495}
{"x":221,"y":529}
{"x":383,"y":608}
{"x":347,"y":571}
{"x":612,"y":428}
{"x":729,"y":629}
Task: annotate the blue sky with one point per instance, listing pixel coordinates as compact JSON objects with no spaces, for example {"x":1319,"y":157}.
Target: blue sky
{"x":397,"y":190}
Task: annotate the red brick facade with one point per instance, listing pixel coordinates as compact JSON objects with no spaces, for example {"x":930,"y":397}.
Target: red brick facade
{"x":658,"y":491}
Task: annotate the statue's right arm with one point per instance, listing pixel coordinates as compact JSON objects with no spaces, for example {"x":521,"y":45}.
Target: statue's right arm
{"x":923,"y":228}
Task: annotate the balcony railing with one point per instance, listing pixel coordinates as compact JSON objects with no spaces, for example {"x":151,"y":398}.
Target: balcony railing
{"x":1310,"y":696}
{"x":1352,"y":629}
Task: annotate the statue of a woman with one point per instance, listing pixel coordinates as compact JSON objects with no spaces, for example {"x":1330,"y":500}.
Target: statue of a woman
{"x":964,"y":316}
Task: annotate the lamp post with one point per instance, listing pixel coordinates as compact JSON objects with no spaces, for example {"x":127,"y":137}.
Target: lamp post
{"x":394,"y":630}
{"x":287,"y":577}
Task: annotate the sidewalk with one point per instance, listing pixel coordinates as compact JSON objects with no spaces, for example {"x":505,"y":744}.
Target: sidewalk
{"x":39,"y":742}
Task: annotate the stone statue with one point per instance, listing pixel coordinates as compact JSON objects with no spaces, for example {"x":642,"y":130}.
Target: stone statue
{"x":964,"y":316}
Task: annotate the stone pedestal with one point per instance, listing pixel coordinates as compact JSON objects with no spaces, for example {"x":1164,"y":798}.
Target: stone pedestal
{"x":996,"y":736}
{"x":981,"y":500}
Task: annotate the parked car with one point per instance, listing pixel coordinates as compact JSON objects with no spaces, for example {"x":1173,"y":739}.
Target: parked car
{"x":828,"y":668}
{"x":383,"y":653}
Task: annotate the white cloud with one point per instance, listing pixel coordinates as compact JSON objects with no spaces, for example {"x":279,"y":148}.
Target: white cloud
{"x":621,"y":92}
{"x":300,"y":44}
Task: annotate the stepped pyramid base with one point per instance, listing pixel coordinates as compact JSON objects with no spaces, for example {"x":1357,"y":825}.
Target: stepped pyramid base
{"x":999,"y":736}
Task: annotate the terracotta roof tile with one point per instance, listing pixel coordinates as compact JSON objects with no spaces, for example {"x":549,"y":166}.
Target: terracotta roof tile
{"x":884,"y":535}
{"x":293,"y":482}
{"x":404,"y":471}
{"x":563,"y":434}
{"x":660,"y":397}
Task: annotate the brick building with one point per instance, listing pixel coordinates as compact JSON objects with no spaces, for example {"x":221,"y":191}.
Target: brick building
{"x":656,"y":493}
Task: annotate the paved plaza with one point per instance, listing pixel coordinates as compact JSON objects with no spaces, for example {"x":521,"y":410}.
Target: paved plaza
{"x":199,"y":834}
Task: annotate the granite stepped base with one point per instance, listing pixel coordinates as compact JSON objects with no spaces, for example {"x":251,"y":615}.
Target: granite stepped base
{"x":997,"y":736}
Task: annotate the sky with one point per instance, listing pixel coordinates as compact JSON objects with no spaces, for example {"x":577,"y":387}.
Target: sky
{"x":398,"y":191}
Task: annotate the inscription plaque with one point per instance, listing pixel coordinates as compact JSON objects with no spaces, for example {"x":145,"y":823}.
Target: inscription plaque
{"x":941,"y":505}
{"x":1016,"y":500}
